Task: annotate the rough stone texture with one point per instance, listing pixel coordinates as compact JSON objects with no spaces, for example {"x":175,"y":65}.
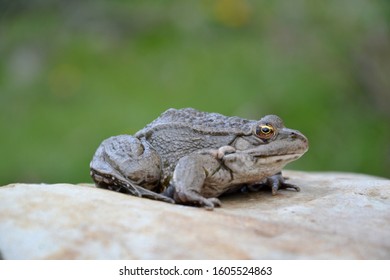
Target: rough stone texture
{"x":335,"y":216}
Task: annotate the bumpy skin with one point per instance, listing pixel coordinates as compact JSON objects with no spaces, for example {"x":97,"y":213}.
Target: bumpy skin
{"x":191,"y":157}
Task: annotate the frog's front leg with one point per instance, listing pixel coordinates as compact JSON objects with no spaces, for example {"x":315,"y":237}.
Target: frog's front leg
{"x":190,"y":175}
{"x":275,"y":182}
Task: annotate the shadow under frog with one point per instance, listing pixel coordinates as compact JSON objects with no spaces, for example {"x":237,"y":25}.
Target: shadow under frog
{"x":190,"y":157}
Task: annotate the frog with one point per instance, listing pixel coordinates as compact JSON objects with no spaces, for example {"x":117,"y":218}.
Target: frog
{"x":191,"y":157}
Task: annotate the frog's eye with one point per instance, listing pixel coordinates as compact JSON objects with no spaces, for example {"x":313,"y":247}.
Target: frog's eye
{"x":265,"y":131}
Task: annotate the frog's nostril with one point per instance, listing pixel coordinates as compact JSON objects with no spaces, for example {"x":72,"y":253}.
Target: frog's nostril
{"x":297,"y":135}
{"x":293,"y":135}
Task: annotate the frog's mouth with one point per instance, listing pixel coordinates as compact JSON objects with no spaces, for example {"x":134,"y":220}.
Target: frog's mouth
{"x":276,"y":159}
{"x":280,"y":150}
{"x":268,"y":152}
{"x":277,"y":153}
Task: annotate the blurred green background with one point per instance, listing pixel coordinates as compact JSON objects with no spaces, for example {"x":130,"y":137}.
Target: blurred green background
{"x":73,"y":73}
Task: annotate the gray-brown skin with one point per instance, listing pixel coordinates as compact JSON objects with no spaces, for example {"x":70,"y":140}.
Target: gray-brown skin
{"x":190,"y":157}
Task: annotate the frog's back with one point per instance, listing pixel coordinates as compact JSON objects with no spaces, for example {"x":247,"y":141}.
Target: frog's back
{"x":178,"y":132}
{"x":199,"y":122}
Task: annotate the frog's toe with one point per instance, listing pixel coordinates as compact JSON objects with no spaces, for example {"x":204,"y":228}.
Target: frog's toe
{"x":277,"y":182}
{"x":283,"y":185}
{"x":152,"y":195}
{"x":194,"y":198}
{"x":210,"y":203}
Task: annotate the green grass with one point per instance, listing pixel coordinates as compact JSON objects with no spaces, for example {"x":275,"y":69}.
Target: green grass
{"x":67,"y":81}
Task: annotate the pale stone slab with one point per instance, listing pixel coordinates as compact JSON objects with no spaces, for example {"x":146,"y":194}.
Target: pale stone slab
{"x":335,"y":216}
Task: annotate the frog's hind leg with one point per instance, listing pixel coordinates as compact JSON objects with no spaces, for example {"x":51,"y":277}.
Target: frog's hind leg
{"x":192,"y":197}
{"x":129,"y":165}
{"x":137,"y":190}
{"x":119,"y":184}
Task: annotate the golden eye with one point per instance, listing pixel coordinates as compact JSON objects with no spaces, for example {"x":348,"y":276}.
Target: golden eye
{"x":265,"y":131}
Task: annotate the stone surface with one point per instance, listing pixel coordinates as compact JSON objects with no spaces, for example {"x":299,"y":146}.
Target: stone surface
{"x":335,"y":216}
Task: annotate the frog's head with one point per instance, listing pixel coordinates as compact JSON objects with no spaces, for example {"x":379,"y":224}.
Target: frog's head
{"x":277,"y":144}
{"x":123,"y":160}
{"x":270,"y":139}
{"x":271,"y":133}
{"x":268,"y":148}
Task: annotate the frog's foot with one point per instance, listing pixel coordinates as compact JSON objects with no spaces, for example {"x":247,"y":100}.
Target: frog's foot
{"x":275,"y":182}
{"x":191,"y":197}
{"x":222,"y":151}
{"x":149,"y":194}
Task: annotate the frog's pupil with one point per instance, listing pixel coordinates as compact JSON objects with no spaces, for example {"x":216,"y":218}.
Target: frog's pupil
{"x":265,"y":130}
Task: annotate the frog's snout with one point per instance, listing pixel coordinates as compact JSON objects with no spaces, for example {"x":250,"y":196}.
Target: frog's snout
{"x":297,"y":135}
